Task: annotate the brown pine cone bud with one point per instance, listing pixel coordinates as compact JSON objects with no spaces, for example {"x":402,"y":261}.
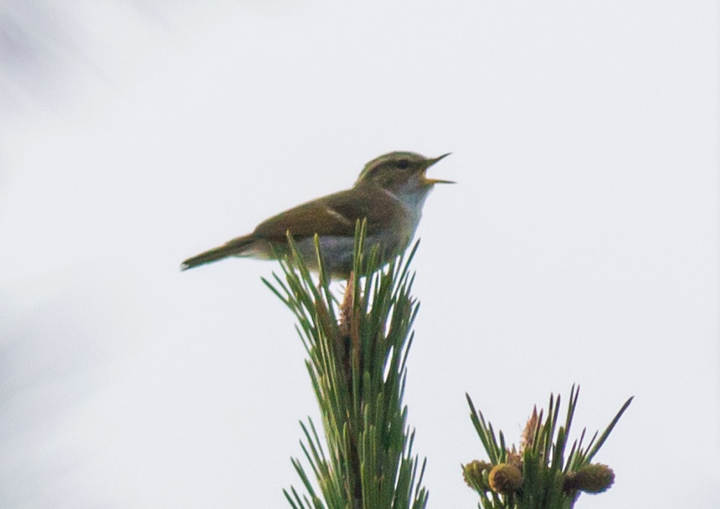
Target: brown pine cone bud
{"x":505,"y":478}
{"x":528,"y":433}
{"x":594,"y":478}
{"x":473,"y":474}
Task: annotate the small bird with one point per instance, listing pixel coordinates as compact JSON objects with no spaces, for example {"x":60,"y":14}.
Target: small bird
{"x":389,"y":194}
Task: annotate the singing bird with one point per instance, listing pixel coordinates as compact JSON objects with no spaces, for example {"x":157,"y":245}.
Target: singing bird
{"x":389,"y":194}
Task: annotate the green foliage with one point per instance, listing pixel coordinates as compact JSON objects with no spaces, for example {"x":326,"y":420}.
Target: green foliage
{"x":548,"y":479}
{"x":357,"y":365}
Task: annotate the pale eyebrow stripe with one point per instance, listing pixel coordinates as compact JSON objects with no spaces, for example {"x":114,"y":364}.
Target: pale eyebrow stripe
{"x":339,"y":216}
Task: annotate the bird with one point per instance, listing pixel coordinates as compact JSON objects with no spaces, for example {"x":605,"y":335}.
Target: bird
{"x":389,"y":195}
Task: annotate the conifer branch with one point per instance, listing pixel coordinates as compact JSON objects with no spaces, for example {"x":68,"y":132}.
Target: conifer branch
{"x":538,"y":475}
{"x":357,"y":354}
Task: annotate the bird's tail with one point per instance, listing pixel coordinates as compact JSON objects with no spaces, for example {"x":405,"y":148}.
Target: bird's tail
{"x":234,"y":247}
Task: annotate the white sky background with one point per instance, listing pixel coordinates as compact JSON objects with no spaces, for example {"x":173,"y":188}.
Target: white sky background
{"x":580,"y":245}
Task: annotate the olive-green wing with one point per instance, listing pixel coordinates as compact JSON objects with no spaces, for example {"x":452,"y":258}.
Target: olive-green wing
{"x":334,"y":215}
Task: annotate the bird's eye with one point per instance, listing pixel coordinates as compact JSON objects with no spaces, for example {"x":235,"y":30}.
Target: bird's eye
{"x":402,"y":164}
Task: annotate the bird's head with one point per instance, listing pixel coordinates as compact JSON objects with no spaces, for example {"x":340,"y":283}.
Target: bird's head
{"x":401,"y":173}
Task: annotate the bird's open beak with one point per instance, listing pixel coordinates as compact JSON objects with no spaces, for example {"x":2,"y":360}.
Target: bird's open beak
{"x":436,"y":181}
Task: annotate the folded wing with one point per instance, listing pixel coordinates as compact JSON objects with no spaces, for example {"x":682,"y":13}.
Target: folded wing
{"x":333,"y":215}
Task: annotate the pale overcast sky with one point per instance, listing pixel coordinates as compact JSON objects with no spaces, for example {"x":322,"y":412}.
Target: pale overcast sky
{"x":579,"y":246}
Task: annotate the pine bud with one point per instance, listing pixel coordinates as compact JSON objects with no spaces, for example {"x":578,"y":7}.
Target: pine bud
{"x":505,"y":478}
{"x":473,"y":474}
{"x":594,"y":478}
{"x":528,"y":434}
